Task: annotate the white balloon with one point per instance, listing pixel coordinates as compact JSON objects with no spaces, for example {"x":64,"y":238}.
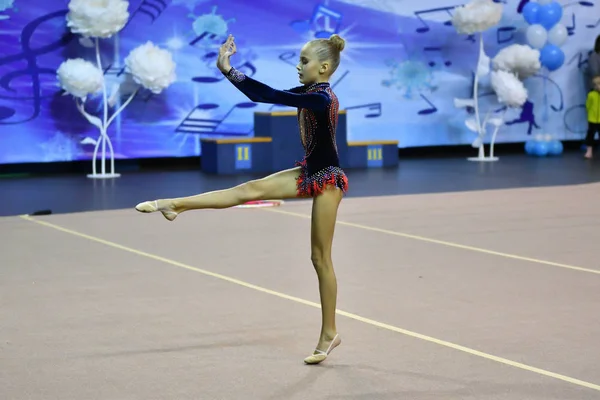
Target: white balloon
{"x":536,"y":36}
{"x":558,"y":35}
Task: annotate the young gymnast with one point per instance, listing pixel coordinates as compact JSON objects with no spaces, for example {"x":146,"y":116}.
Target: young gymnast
{"x":592,"y":106}
{"x":318,"y":175}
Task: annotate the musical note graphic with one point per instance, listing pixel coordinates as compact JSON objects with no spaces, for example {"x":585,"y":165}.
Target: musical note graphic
{"x":471,"y":38}
{"x":116,"y":71}
{"x":581,"y":59}
{"x":196,"y":123}
{"x":561,"y":106}
{"x":522,"y":5}
{"x":6,"y":113}
{"x":322,"y":19}
{"x":324,"y":22}
{"x":426,"y":111}
{"x":193,"y":123}
{"x":128,"y":86}
{"x":374,"y":107}
{"x":287,"y":57}
{"x":246,"y":67}
{"x":575,"y":119}
{"x":571,"y":28}
{"x":444,"y":10}
{"x":339,"y":79}
{"x":151,"y":8}
{"x":501,"y":31}
{"x":32,"y":70}
{"x":205,"y":39}
{"x":581,"y":3}
{"x":447,"y":63}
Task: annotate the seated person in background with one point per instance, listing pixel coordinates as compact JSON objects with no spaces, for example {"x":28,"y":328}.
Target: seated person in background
{"x":594,"y":61}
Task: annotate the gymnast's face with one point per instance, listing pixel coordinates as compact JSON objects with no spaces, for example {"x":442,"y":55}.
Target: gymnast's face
{"x":597,"y":84}
{"x":310,"y":69}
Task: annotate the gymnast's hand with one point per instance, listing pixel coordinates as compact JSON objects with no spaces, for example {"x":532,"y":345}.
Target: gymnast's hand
{"x":225,"y":52}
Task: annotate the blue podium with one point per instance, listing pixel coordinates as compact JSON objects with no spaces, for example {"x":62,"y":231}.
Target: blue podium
{"x":234,"y":156}
{"x":276,"y":145}
{"x":372,"y":154}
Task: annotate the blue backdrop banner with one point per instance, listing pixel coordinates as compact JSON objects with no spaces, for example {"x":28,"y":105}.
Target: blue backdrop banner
{"x":402,"y":68}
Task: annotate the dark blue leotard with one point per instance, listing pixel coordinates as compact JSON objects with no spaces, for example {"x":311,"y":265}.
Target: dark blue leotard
{"x":318,"y":110}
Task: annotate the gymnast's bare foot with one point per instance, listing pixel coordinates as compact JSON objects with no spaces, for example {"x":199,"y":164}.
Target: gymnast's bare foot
{"x":166,"y":207}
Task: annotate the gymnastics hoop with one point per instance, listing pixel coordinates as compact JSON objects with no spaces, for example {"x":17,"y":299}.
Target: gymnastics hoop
{"x":261,"y":204}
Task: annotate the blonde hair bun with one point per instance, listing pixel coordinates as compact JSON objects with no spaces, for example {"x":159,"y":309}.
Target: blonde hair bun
{"x":338,"y":42}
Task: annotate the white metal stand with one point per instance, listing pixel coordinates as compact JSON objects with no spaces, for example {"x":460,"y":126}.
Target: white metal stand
{"x":103,"y":140}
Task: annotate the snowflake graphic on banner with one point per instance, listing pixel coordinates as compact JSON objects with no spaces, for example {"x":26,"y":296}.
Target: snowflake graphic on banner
{"x":410,"y":77}
{"x":212,"y":23}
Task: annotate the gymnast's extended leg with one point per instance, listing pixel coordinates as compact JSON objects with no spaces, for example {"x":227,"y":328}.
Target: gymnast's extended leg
{"x":324,"y":214}
{"x":280,"y":185}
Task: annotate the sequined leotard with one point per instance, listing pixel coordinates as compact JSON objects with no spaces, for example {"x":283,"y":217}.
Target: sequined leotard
{"x":317,"y":117}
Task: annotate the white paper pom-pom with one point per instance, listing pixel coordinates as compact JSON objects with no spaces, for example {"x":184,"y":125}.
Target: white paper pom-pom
{"x":521,"y":60}
{"x":477,"y":16}
{"x":509,"y":89}
{"x":151,"y":67}
{"x":79,"y":77}
{"x":97,"y":18}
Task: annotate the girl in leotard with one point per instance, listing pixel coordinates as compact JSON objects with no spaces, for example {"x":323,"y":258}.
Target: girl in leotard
{"x":317,"y":176}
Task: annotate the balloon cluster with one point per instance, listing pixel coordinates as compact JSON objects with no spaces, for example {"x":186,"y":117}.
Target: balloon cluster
{"x":543,"y":145}
{"x":545,"y":33}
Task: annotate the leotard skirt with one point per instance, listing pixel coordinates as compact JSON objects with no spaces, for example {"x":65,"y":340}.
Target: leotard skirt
{"x":313,"y":185}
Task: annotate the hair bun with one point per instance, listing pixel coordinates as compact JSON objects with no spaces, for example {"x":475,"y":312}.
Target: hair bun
{"x":337,"y":42}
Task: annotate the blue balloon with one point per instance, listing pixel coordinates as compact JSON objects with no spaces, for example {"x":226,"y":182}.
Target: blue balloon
{"x":540,"y":149}
{"x":531,"y":13}
{"x":550,"y":14}
{"x":555,"y":148}
{"x":552,"y":57}
{"x":530,"y":147}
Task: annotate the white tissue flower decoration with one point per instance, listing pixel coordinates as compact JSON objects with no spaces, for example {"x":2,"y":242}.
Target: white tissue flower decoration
{"x":79,"y":77}
{"x":509,"y":89}
{"x":151,"y":67}
{"x":97,"y":18}
{"x":521,"y":60}
{"x":477,"y":16}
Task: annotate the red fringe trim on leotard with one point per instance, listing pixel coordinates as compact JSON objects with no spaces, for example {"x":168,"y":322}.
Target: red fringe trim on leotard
{"x":314,"y":185}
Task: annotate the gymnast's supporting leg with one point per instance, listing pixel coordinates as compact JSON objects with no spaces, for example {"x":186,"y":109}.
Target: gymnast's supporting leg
{"x":589,"y":138}
{"x":280,"y":185}
{"x":324,"y":214}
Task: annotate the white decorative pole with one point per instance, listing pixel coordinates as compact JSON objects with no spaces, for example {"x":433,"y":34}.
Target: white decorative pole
{"x":151,"y":67}
{"x":483,"y":69}
{"x":475,"y":18}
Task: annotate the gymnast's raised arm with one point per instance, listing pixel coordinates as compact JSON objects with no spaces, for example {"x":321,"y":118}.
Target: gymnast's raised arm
{"x":261,"y":93}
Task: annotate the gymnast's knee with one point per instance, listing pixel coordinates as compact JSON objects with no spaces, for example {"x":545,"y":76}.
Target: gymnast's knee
{"x":320,"y":261}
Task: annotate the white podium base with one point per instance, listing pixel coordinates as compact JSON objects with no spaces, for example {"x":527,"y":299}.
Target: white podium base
{"x":483,"y":159}
{"x":103,"y":176}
